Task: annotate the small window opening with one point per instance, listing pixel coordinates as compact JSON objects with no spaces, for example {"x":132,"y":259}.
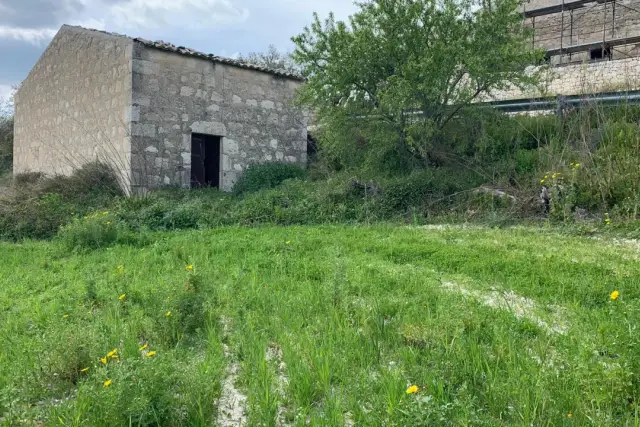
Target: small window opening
{"x":205,"y":161}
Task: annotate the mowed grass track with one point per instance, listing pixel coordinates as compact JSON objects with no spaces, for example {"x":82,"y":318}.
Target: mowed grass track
{"x":326,"y":326}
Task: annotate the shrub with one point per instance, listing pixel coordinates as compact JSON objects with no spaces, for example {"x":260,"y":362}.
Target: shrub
{"x":36,"y":205}
{"x":267,"y":175}
{"x":162,"y":212}
{"x":98,"y":230}
{"x":6,"y":144}
{"x":93,"y":184}
{"x":25,"y":216}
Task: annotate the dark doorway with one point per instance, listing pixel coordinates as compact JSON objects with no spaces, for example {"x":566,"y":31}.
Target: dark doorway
{"x":205,"y":161}
{"x":600,"y":53}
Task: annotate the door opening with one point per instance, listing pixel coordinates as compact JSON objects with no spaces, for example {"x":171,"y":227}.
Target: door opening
{"x":205,"y":161}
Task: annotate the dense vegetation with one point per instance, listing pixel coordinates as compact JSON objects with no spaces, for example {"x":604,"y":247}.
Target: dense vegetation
{"x":494,"y":175}
{"x":6,"y":147}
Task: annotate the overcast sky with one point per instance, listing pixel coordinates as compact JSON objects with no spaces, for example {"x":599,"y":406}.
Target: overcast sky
{"x":221,"y":27}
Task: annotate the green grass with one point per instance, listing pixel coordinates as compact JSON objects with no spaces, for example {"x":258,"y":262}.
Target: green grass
{"x":357,"y":314}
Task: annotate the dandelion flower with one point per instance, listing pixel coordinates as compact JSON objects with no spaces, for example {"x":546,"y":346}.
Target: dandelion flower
{"x":144,"y":347}
{"x":412,"y":389}
{"x":151,"y":354}
{"x":107,"y":383}
{"x":614,"y":295}
{"x":103,"y":360}
{"x":84,"y":369}
{"x":189,"y":267}
{"x":168,"y":313}
{"x":569,"y":415}
{"x":65,"y":316}
{"x":112,"y":353}
{"x":122,"y":297}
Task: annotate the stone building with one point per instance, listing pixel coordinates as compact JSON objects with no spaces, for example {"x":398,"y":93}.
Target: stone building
{"x":159,"y":114}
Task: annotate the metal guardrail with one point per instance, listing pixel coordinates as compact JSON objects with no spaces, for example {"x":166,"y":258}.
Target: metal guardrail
{"x":558,"y":102}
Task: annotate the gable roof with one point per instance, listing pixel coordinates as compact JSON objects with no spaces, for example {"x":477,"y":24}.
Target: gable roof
{"x":169,"y":47}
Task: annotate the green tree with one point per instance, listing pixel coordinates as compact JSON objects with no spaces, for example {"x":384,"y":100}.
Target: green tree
{"x":272,"y":59}
{"x":6,"y":137}
{"x":400,"y":70}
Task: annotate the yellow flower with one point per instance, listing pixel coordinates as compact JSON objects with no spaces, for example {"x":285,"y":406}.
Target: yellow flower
{"x":151,"y":354}
{"x":189,"y":267}
{"x":614,"y":295}
{"x":65,"y":316}
{"x":168,"y":313}
{"x":569,"y":415}
{"x":103,"y":360}
{"x":144,"y":347}
{"x":84,"y":369}
{"x":107,"y":383}
{"x":112,"y":353}
{"x":542,"y":181}
{"x":412,"y":389}
{"x":122,"y":297}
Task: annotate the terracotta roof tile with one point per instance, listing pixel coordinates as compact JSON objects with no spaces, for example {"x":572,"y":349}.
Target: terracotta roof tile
{"x":169,"y":47}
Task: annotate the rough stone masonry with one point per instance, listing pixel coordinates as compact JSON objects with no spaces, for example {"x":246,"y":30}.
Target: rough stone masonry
{"x":135,"y":104}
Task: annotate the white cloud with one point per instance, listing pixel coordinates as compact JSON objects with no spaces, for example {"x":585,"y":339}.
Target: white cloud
{"x":192,"y":14}
{"x":36,"y":36}
{"x":131,"y":15}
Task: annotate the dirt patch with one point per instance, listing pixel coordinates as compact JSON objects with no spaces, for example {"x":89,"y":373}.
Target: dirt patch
{"x":232,"y":404}
{"x":521,"y":307}
{"x":274,"y":355}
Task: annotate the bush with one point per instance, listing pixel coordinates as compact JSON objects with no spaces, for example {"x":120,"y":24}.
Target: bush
{"x":162,"y":212}
{"x":93,"y":184}
{"x":36,"y":206}
{"x":99,"y":230}
{"x":6,"y":144}
{"x":267,"y":175}
{"x":24,"y":216}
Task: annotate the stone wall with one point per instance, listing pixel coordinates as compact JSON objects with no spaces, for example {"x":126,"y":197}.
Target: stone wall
{"x":176,"y":95}
{"x":74,"y":105}
{"x":581,"y":78}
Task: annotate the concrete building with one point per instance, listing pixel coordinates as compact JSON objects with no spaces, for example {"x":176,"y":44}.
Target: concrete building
{"x":592,"y":47}
{"x":585,"y":30}
{"x":159,"y":114}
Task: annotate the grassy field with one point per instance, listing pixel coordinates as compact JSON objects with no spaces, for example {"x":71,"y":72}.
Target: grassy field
{"x":323,"y":326}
